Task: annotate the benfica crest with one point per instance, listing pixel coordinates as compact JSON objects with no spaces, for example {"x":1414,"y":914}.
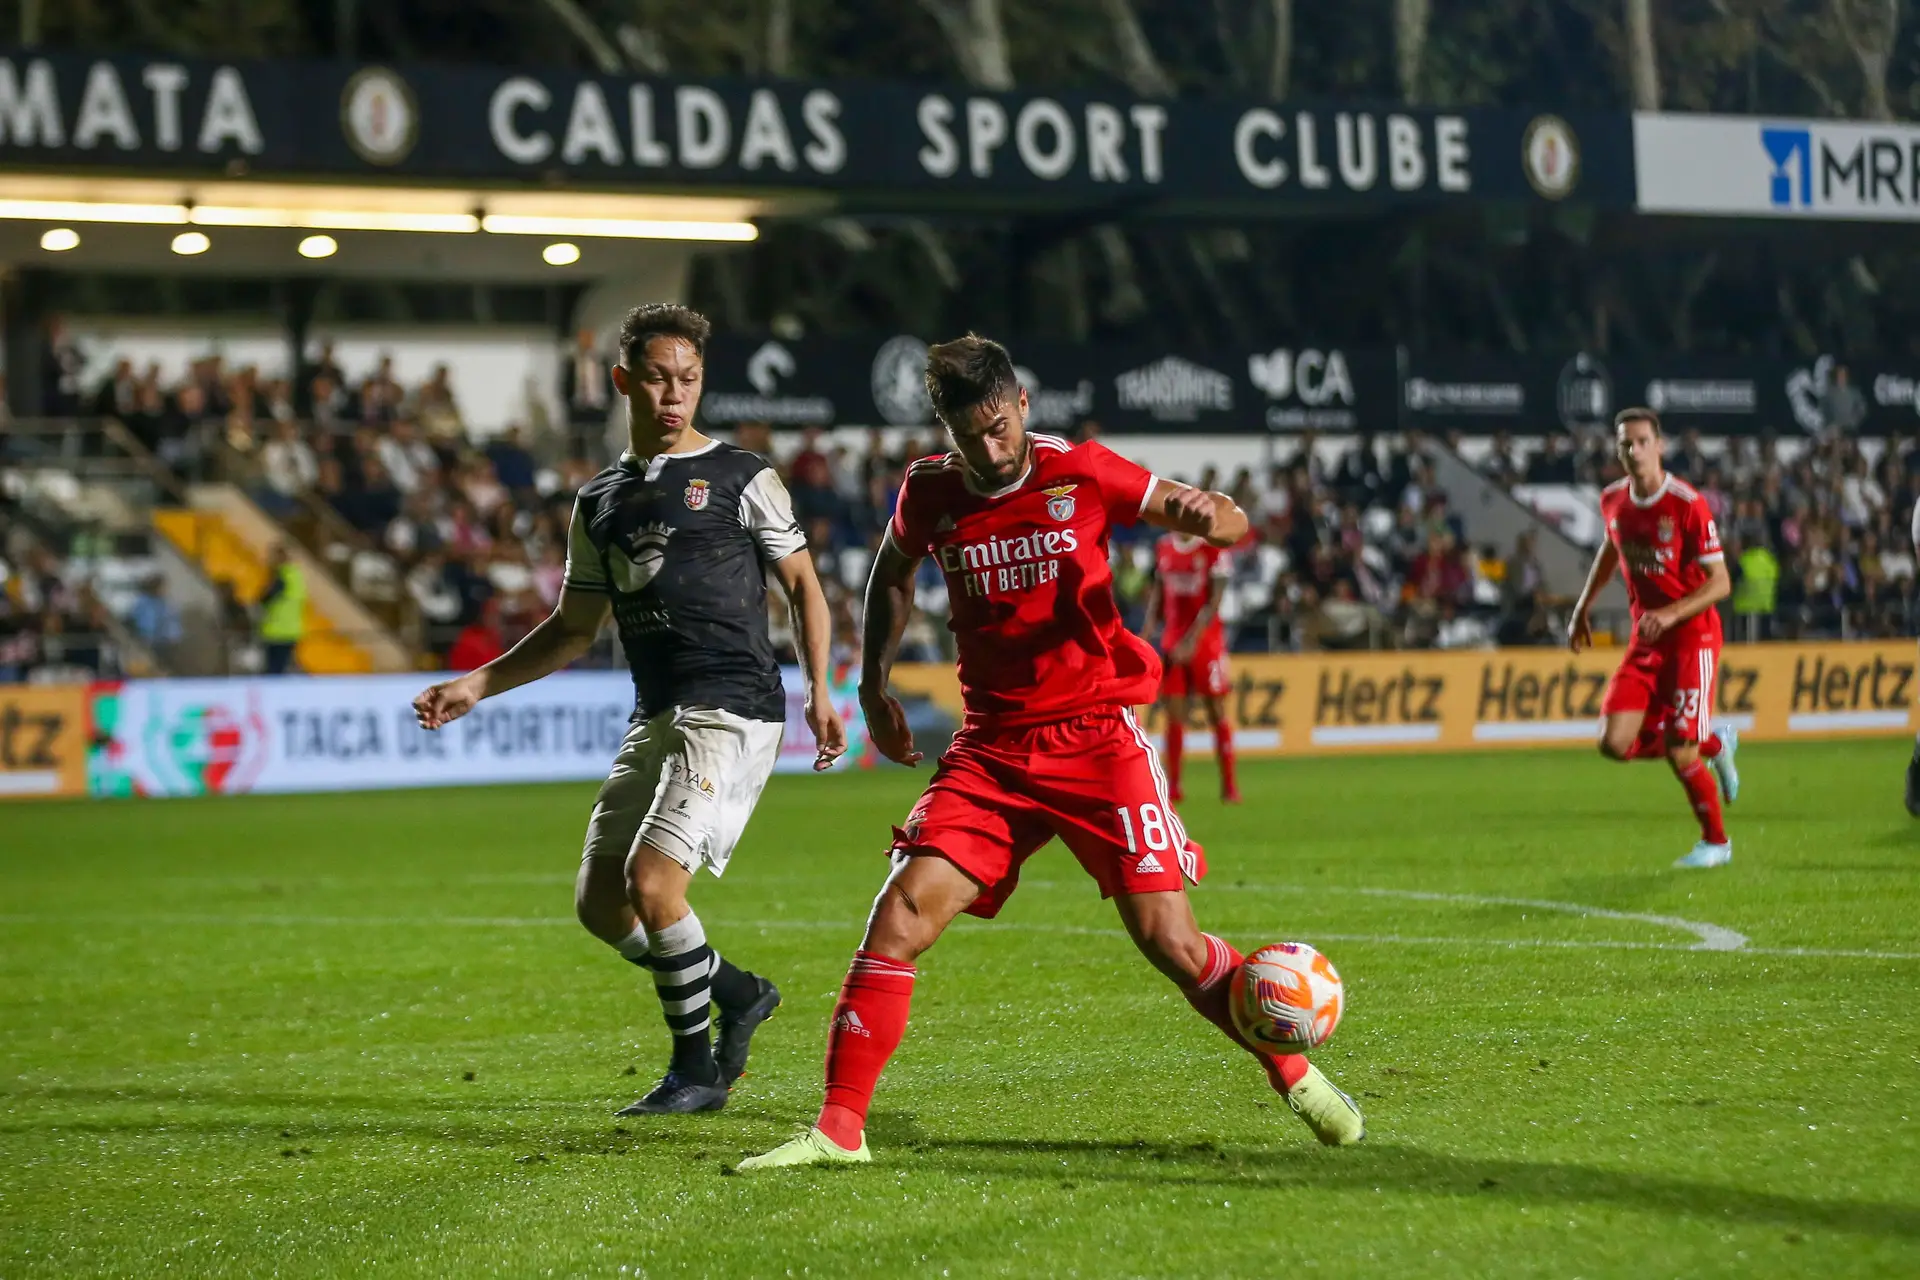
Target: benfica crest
{"x":696,"y":495}
{"x":1666,"y":529}
{"x":1060,"y":501}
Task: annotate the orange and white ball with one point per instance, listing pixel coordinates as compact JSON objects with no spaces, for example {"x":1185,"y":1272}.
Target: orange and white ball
{"x":1286,"y":998}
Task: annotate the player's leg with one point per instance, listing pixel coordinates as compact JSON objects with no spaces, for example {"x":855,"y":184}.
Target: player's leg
{"x":1913,"y":779}
{"x":1173,"y":701}
{"x":601,"y":897}
{"x":715,"y":770}
{"x":960,"y":849}
{"x":1211,"y":666}
{"x":1625,"y":734}
{"x":1201,"y":965}
{"x":1688,"y":686}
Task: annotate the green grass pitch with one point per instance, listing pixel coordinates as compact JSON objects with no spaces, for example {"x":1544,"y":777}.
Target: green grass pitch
{"x":348,"y":1034}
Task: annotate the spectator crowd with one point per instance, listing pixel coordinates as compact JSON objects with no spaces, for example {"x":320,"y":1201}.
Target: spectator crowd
{"x":460,"y":542}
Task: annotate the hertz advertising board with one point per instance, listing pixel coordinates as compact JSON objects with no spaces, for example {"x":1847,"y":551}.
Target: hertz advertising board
{"x":1301,"y":704}
{"x":43,"y":740}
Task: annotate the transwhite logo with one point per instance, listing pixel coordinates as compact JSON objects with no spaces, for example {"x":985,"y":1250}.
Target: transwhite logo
{"x":379,"y":116}
{"x":851,"y":1024}
{"x":900,"y":382}
{"x":1174,"y":390}
{"x":1148,"y":865}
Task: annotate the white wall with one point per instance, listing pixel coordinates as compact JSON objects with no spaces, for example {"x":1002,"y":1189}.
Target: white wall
{"x":501,"y":375}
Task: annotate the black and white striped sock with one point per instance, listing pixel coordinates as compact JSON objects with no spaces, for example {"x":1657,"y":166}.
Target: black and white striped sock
{"x":683,"y":964}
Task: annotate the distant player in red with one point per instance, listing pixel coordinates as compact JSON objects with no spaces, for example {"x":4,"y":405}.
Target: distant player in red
{"x":1660,"y":702}
{"x":1019,"y":525}
{"x":1189,"y":582}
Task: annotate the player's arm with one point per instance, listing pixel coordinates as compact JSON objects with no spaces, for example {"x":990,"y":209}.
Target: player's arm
{"x":1580,"y":626}
{"x":1718,"y":586}
{"x":813,"y":626}
{"x":889,"y":607}
{"x":1196,"y":512}
{"x":561,"y":637}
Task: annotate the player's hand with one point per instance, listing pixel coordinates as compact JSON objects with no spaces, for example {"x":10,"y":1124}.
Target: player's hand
{"x":1580,"y":631}
{"x":829,"y":733}
{"x":1181,"y":655}
{"x":1655,"y":623}
{"x":441,"y":704}
{"x":1192,"y":510}
{"x":887,"y":726}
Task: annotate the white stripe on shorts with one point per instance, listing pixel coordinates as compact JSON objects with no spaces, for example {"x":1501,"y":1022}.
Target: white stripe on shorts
{"x":1189,"y":865}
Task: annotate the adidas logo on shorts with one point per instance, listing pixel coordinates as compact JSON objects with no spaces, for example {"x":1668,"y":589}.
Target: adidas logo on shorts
{"x":851,"y":1024}
{"x":1148,"y":865}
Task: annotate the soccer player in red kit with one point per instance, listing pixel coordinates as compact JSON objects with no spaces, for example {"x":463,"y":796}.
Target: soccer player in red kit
{"x":1019,"y":525}
{"x":1189,"y":581}
{"x":1660,"y":701}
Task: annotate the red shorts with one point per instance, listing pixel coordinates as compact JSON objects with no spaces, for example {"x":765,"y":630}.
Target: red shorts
{"x":1672,"y":681}
{"x":1205,"y":673}
{"x":1000,"y":794}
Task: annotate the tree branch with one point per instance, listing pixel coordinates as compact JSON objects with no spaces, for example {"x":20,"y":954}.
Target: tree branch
{"x":598,"y":47}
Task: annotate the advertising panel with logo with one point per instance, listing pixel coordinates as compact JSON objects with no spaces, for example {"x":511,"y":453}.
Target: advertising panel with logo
{"x":349,"y":733}
{"x":43,"y":740}
{"x":1322,"y":704}
{"x":181,"y":114}
{"x":1742,"y":166}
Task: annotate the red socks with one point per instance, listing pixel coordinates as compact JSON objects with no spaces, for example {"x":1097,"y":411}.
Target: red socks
{"x":1223,"y":752}
{"x":1208,"y":995}
{"x":867,"y":1025}
{"x":1711,"y":747}
{"x":1176,"y":748}
{"x":1703,"y":792}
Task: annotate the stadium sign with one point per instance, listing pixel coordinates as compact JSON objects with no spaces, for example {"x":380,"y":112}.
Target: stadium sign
{"x":881,"y":382}
{"x":886,"y":141}
{"x":357,"y":733}
{"x":1745,"y":166}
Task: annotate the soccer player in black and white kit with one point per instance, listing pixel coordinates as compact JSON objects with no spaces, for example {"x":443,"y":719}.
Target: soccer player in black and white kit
{"x":1913,"y":765}
{"x":675,"y":540}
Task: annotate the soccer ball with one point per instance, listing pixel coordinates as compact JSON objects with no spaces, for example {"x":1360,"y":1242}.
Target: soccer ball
{"x":1286,"y":998}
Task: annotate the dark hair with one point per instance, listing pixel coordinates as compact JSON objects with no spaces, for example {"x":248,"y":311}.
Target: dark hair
{"x":662,"y":320}
{"x":1638,"y":413}
{"x":966,"y":372}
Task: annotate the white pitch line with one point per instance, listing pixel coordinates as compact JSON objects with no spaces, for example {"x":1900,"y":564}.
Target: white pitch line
{"x":1712,"y":937}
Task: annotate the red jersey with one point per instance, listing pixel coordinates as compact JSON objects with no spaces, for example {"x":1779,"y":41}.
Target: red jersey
{"x":1185,"y":570}
{"x":1031,"y":593}
{"x":1665,"y":543}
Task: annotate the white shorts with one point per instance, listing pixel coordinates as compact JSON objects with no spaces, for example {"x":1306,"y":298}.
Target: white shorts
{"x":685,"y":783}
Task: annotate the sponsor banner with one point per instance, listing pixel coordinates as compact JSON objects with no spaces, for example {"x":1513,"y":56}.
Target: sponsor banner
{"x":881,"y":382}
{"x":43,"y":740}
{"x":1745,"y":166}
{"x":1340,"y":704}
{"x":348,"y":733}
{"x":122,"y":112}
{"x":1533,"y":394}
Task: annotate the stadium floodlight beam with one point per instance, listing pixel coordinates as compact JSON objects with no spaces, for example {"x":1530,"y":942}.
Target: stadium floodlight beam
{"x":319,"y":247}
{"x":189,"y":243}
{"x":59,"y":239}
{"x":618,"y":228}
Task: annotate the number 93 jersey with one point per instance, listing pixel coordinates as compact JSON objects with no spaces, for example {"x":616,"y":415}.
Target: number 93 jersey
{"x":1665,"y":543}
